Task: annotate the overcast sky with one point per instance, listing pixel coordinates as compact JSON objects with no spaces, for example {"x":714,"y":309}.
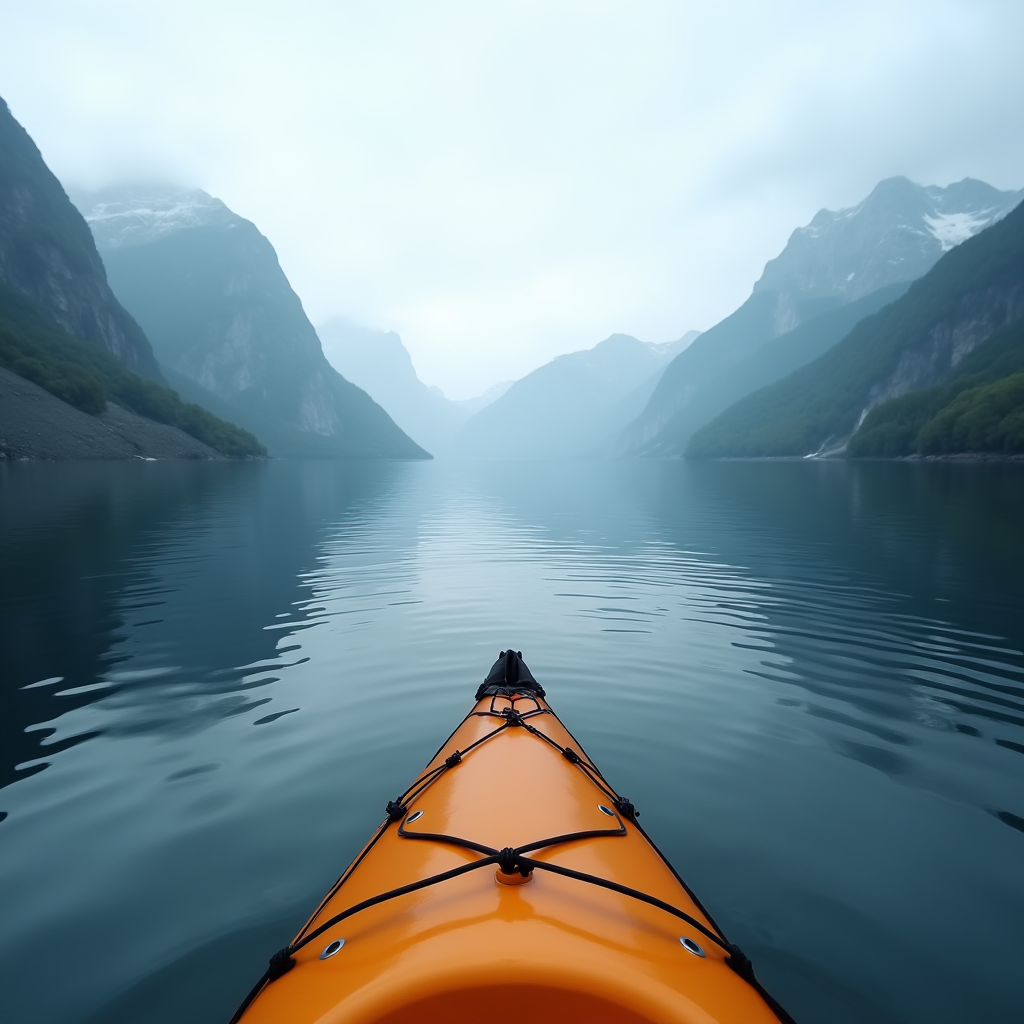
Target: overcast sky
{"x":502,"y":182}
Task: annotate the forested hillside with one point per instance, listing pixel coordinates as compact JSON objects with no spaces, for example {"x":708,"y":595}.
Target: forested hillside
{"x":979,"y":409}
{"x":87,"y":377}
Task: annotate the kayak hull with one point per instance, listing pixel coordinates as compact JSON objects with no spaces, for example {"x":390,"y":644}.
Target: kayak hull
{"x":548,"y":947}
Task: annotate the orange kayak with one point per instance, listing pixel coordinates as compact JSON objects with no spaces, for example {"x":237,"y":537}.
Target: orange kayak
{"x":510,"y":883}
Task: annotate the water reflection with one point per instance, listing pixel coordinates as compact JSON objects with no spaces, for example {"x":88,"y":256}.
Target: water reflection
{"x":808,"y":676}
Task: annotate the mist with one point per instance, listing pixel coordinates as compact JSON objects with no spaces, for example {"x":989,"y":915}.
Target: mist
{"x":504,"y":183}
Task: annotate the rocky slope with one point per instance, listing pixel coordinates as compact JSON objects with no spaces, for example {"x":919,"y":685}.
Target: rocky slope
{"x":209,"y":291}
{"x":47,"y":253}
{"x":916,"y":342}
{"x":36,"y":425}
{"x":571,"y":406}
{"x":894,"y":236}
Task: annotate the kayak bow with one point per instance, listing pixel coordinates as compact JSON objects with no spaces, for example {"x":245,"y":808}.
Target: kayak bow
{"x":510,"y":882}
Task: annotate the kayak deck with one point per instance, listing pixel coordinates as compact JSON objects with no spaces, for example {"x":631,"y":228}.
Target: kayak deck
{"x":528,"y":837}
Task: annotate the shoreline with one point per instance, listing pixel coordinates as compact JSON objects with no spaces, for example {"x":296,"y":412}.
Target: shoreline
{"x":943,"y":457}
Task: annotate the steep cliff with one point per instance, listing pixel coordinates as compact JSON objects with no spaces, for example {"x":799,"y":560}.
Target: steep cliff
{"x":210,"y":293}
{"x":894,"y":236}
{"x":48,"y":254}
{"x":916,"y":342}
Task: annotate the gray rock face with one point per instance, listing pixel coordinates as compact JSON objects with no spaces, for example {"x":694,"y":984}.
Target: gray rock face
{"x":896,"y":234}
{"x":48,"y":254}
{"x":977,"y":317}
{"x":209,"y":290}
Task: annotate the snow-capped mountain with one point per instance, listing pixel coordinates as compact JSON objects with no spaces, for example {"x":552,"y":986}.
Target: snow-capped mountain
{"x":228,"y":329}
{"x":896,"y":234}
{"x":139,"y":214}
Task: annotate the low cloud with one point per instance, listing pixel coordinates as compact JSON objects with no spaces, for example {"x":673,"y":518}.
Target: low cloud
{"x":503,"y":182}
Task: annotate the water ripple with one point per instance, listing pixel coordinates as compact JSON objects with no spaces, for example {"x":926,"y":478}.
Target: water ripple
{"x":811,"y":683}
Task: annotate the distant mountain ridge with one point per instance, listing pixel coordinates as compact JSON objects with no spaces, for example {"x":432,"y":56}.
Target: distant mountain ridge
{"x":972,"y":293}
{"x":380,"y":364}
{"x":571,"y":406}
{"x":894,"y":236}
{"x":207,"y":287}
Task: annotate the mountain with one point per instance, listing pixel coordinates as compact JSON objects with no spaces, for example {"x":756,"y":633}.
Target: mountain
{"x":917,"y":342}
{"x":894,"y":236}
{"x":569,"y":406}
{"x":773,"y":360}
{"x":48,"y":254}
{"x":380,"y":364}
{"x":62,"y":329}
{"x":897,"y":234}
{"x":226,"y":325}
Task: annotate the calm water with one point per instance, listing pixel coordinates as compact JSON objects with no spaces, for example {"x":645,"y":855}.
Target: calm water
{"x":808,"y":677}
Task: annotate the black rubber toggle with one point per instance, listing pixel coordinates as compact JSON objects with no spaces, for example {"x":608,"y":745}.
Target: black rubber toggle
{"x":512,"y":716}
{"x":453,"y":759}
{"x":740,"y":963}
{"x":570,"y":755}
{"x":626,"y":808}
{"x":280,"y":963}
{"x":508,"y":863}
{"x":396,"y":810}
